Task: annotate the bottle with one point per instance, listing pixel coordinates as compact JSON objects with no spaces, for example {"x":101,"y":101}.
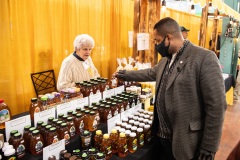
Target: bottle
{"x":36,"y":143}
{"x":5,"y":114}
{"x":107,"y":114}
{"x":52,"y":136}
{"x":25,"y":137}
{"x":114,"y":140}
{"x":106,"y":146}
{"x":98,"y":139}
{"x":44,"y":104}
{"x":132,"y":142}
{"x":64,"y":133}
{"x":34,"y":108}
{"x":39,"y":125}
{"x":71,"y":126}
{"x":79,"y":125}
{"x":50,"y":119}
{"x":10,"y":140}
{"x":122,"y":146}
{"x":92,"y":121}
{"x":140,"y":137}
{"x":86,"y":119}
{"x":60,"y":116}
{"x":19,"y":145}
{"x":97,"y":118}
{"x":86,"y":139}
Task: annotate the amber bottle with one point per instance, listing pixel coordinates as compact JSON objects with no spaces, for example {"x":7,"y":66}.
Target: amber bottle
{"x":5,"y":114}
{"x":71,"y":126}
{"x":19,"y":145}
{"x":98,"y":139}
{"x":132,"y":143}
{"x":114,"y":140}
{"x":64,"y":133}
{"x":34,"y":108}
{"x":106,"y":146}
{"x":25,"y":137}
{"x":36,"y":143}
{"x":122,"y":146}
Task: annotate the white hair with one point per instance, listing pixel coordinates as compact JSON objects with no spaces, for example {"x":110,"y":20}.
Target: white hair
{"x":83,"y":39}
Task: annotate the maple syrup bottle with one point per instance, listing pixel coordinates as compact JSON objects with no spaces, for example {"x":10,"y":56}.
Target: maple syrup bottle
{"x":106,"y":146}
{"x":122,"y":146}
{"x":98,"y":139}
{"x":114,"y":140}
{"x":25,"y":136}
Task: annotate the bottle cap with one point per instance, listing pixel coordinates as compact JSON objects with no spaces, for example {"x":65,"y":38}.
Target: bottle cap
{"x":114,"y":131}
{"x":132,"y":134}
{"x":122,"y":134}
{"x":98,"y":132}
{"x":106,"y":136}
{"x":139,"y":130}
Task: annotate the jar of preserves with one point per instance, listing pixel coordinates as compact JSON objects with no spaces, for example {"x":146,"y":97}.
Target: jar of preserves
{"x":132,"y":143}
{"x":106,"y":146}
{"x":79,"y":124}
{"x":34,"y":108}
{"x":36,"y":143}
{"x":47,"y":131}
{"x":122,"y":146}
{"x":98,"y":139}
{"x":19,"y":145}
{"x":94,"y":87}
{"x":86,"y":139}
{"x":64,"y":119}
{"x":64,"y":133}
{"x":25,"y":137}
{"x":71,"y":126}
{"x":52,"y":136}
{"x":147,"y":134}
{"x":10,"y":140}
{"x":58,"y":125}
{"x":107,"y":114}
{"x":114,"y":140}
{"x":42,"y":131}
{"x":5,"y":114}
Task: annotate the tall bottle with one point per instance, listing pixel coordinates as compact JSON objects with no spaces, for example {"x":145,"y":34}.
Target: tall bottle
{"x":106,"y":146}
{"x":34,"y":108}
{"x":98,"y":139}
{"x":5,"y":114}
{"x":114,"y":140}
{"x":122,"y":145}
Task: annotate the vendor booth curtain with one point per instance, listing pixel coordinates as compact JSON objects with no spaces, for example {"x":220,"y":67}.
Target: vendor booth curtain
{"x":36,"y":35}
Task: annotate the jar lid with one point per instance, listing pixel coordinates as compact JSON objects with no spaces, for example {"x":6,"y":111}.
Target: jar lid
{"x":107,"y":106}
{"x":79,"y":115}
{"x":102,"y":105}
{"x":53,"y":129}
{"x":35,"y":132}
{"x":113,"y":131}
{"x":92,"y":113}
{"x":92,"y":150}
{"x":78,"y":109}
{"x":122,"y":134}
{"x":119,"y":101}
{"x":63,"y":124}
{"x":76,"y":151}
{"x":106,"y":136}
{"x":27,"y":127}
{"x":146,"y":126}
{"x":114,"y":103}
{"x":70,"y":112}
{"x":95,"y":108}
{"x":50,"y":118}
{"x":84,"y":154}
{"x":17,"y":135}
{"x":86,"y":133}
{"x":13,"y":132}
{"x":32,"y":100}
{"x":32,"y":129}
{"x":139,"y":130}
{"x":98,"y":132}
{"x":87,"y":111}
{"x":39,"y":122}
{"x":60,"y":115}
{"x":44,"y":98}
{"x":55,"y":120}
{"x":44,"y":124}
{"x":69,"y":119}
{"x":134,"y":128}
{"x":122,"y":130}
{"x":1,"y":100}
{"x":48,"y":127}
{"x":127,"y":132}
{"x":133,"y":134}
{"x":9,"y":152}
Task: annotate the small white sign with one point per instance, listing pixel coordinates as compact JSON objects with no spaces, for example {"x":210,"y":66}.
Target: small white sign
{"x":79,"y":102}
{"x":111,"y":123}
{"x":108,"y":93}
{"x":130,"y":39}
{"x":142,"y":41}
{"x":54,"y":149}
{"x":17,"y":124}
{"x":64,"y":108}
{"x":44,"y":115}
{"x":118,"y":90}
{"x":95,"y":98}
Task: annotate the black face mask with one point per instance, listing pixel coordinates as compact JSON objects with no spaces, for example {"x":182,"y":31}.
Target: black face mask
{"x":162,"y":49}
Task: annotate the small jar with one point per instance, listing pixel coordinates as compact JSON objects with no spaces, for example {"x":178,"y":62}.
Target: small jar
{"x":92,"y":122}
{"x":86,"y":119}
{"x":107,"y":114}
{"x":10,"y":140}
{"x":86,"y":139}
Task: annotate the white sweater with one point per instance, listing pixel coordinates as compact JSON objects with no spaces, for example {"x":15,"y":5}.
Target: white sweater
{"x":74,"y":70}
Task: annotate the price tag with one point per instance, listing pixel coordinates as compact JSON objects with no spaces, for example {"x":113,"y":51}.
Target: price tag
{"x":64,"y":108}
{"x":79,"y":102}
{"x":111,"y":123}
{"x":44,"y":115}
{"x":54,"y":149}
{"x":118,"y":90}
{"x":108,"y":93}
{"x":16,"y":124}
{"x":95,"y":98}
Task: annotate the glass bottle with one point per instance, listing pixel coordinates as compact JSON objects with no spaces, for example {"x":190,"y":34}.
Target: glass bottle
{"x":79,"y":124}
{"x":140,"y":137}
{"x":44,"y":104}
{"x":19,"y":145}
{"x":64,"y":133}
{"x":34,"y":108}
{"x":122,"y":146}
{"x":86,"y":119}
{"x":50,"y":119}
{"x":86,"y":139}
{"x":71,"y":126}
{"x":52,"y":136}
{"x":101,"y":112}
{"x":36,"y":143}
{"x":97,"y":118}
{"x":106,"y":146}
{"x":114,"y":140}
{"x":92,"y":122}
{"x":98,"y":139}
{"x":132,"y":143}
{"x":10,"y":140}
{"x":25,"y":137}
{"x":114,"y":109}
{"x":5,"y":114}
{"x":107,"y":114}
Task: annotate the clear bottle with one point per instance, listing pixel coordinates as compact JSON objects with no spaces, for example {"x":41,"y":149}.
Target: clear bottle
{"x":5,"y":114}
{"x":106,"y":146}
{"x":122,"y":146}
{"x":132,"y":142}
{"x":98,"y":139}
{"x":34,"y":108}
{"x":114,"y":140}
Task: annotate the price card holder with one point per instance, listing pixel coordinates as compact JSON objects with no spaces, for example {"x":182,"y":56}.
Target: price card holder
{"x":118,"y":90}
{"x":44,"y":115}
{"x":111,"y":123}
{"x":64,"y":108}
{"x":95,"y":98}
{"x":79,"y":102}
{"x":108,"y":93}
{"x":54,"y":149}
{"x":16,"y":124}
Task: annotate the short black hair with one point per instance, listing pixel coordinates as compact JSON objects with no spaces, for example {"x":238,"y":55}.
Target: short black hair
{"x":167,"y":26}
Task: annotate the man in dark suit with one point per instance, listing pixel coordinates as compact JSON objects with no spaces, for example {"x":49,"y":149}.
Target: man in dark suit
{"x":190,"y":96}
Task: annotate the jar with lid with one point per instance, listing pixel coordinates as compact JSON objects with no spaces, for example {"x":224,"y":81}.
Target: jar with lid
{"x":92,"y":121}
{"x":69,"y":113}
{"x":140,"y":137}
{"x":114,"y":109}
{"x":147,"y":134}
{"x":92,"y":153}
{"x":5,"y":114}
{"x":101,"y":112}
{"x":78,"y":93}
{"x":94,"y":87}
{"x":36,"y":143}
{"x":52,"y":136}
{"x":88,"y":90}
{"x":19,"y":145}
{"x":86,"y":106}
{"x":79,"y":124}
{"x":34,"y":108}
{"x":50,"y":100}
{"x":141,"y":125}
{"x":107,"y":114}
{"x":114,"y":140}
{"x":10,"y":154}
{"x":100,"y":156}
{"x":43,"y":103}
{"x":85,"y":139}
{"x":10,"y":140}
{"x":90,"y":108}
{"x":64,"y":133}
{"x":71,"y":126}
{"x":131,"y":122}
{"x":25,"y":137}
{"x":30,"y":132}
{"x":81,"y":86}
{"x":98,"y":139}
{"x":106,"y":146}
{"x":39,"y":125}
{"x":140,"y":119}
{"x":132,"y":143}
{"x":86,"y":119}
{"x":83,"y":111}
{"x":50,"y":119}
{"x":122,"y":146}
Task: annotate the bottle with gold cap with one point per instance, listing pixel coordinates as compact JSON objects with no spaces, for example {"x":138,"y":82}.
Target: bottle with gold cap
{"x":98,"y":139}
{"x":106,"y":146}
{"x":122,"y":145}
{"x":114,"y":140}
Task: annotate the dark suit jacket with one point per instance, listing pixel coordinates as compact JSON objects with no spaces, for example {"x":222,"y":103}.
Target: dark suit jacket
{"x":195,"y":100}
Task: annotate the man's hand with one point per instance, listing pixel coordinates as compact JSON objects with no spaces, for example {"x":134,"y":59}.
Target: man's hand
{"x":121,"y":74}
{"x":205,"y":155}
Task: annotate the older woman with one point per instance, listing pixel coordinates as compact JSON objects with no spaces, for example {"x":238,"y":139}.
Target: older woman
{"x":78,"y":66}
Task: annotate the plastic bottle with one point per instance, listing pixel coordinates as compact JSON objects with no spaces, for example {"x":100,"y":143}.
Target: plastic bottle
{"x":114,"y":140}
{"x":5,"y":114}
{"x":132,"y":142}
{"x":106,"y":146}
{"x":98,"y":139}
{"x":34,"y":108}
{"x":122,"y":146}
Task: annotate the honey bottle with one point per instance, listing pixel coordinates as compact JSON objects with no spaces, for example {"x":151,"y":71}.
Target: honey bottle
{"x":147,"y":134}
{"x":114,"y":140}
{"x":107,"y":114}
{"x":132,"y":143}
{"x":34,"y":108}
{"x":79,"y":124}
{"x":92,"y":122}
{"x":19,"y":145}
{"x":106,"y":146}
{"x":122,"y":146}
{"x":97,"y":118}
{"x":5,"y":114}
{"x":36,"y":143}
{"x":64,"y":133}
{"x":98,"y":139}
{"x":52,"y":136}
{"x":25,"y":137}
{"x":10,"y":140}
{"x":71,"y":126}
{"x":140,"y":137}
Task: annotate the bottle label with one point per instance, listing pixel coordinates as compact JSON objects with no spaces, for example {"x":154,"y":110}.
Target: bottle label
{"x":37,"y":109}
{"x":81,"y":126}
{"x":4,"y":115}
{"x":66,"y":137}
{"x":134,"y":144}
{"x":55,"y":139}
{"x":87,"y":141}
{"x":20,"y":150}
{"x":72,"y":131}
{"x":127,"y":107}
{"x":109,"y":115}
{"x":125,"y":148}
{"x":109,"y":151}
{"x":95,"y":123}
{"x":39,"y":147}
{"x":141,"y":139}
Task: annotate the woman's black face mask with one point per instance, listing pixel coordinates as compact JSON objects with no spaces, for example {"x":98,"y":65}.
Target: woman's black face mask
{"x":162,"y":49}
